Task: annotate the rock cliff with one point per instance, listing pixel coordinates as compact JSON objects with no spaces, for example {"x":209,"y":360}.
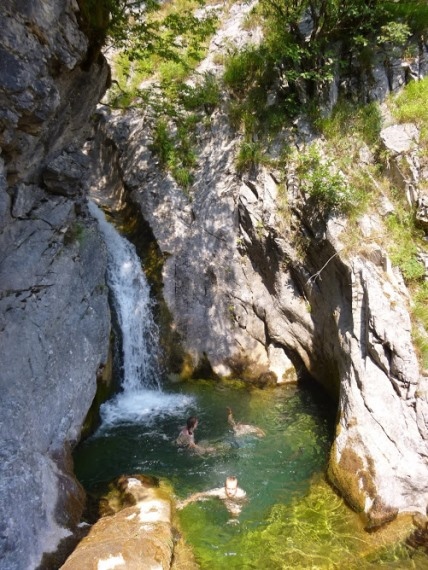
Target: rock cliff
{"x":255,"y":288}
{"x":270,"y":293}
{"x":55,"y":321}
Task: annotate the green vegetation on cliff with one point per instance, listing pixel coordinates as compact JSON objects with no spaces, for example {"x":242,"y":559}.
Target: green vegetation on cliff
{"x":268,"y":86}
{"x":408,"y":238}
{"x":305,"y":43}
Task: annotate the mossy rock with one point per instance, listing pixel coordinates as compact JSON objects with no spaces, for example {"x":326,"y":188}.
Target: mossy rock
{"x":353,"y":479}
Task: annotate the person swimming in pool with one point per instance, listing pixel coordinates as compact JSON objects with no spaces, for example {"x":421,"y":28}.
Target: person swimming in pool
{"x":186,"y":437}
{"x":232,"y":496}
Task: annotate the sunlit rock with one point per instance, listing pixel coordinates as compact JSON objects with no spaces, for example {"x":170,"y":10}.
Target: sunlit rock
{"x":135,"y":533}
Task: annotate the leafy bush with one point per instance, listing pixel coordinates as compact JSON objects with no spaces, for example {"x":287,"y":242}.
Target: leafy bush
{"x":347,"y":120}
{"x":410,"y":106}
{"x":175,"y":151}
{"x":413,"y":12}
{"x":249,"y":155}
{"x":326,"y":187}
{"x":250,"y":75}
{"x":245,"y":69}
{"x":205,"y":95}
{"x":155,"y":39}
{"x":403,"y":245}
{"x":420,"y":314}
{"x":163,"y":144}
{"x":395,"y":33}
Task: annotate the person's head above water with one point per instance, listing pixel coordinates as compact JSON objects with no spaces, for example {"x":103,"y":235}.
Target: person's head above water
{"x":191,"y":423}
{"x":231,"y":486}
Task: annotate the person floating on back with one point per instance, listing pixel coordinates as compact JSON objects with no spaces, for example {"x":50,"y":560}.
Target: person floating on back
{"x":243,"y":429}
{"x":232,"y":495}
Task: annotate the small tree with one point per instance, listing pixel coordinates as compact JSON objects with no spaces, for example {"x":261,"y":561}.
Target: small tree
{"x":127,"y":25}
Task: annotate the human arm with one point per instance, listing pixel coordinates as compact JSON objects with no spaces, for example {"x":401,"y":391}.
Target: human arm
{"x":191,"y":499}
{"x":200,"y":496}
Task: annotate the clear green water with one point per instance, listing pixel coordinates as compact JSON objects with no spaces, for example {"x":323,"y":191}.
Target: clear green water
{"x":292,"y":519}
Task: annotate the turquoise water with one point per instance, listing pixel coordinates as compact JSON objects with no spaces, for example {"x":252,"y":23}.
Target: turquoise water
{"x":276,"y":468}
{"x":297,"y":423}
{"x":291,"y":519}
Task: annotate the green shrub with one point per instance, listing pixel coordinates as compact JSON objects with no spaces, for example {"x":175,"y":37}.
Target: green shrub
{"x":410,"y":106}
{"x":395,"y":33}
{"x":249,"y":155}
{"x":244,"y":69}
{"x":163,"y":144}
{"x":403,"y":245}
{"x":205,"y":96}
{"x":420,"y":313}
{"x":175,"y":149}
{"x":183,"y":176}
{"x":172,"y":72}
{"x":327,"y":189}
{"x":348,"y":119}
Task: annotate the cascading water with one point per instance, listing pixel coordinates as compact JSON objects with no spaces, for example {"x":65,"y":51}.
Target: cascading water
{"x":142,"y":397}
{"x":281,"y":473}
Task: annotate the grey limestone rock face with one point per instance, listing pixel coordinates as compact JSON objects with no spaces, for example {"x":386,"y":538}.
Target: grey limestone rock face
{"x":244,"y":297}
{"x":406,"y":168}
{"x":260,"y":290}
{"x":54,"y":315}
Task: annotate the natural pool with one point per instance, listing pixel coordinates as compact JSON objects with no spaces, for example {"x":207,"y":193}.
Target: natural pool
{"x":292,"y":519}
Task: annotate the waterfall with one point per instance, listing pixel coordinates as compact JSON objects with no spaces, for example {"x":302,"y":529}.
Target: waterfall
{"x":142,"y":396}
{"x":133,"y":307}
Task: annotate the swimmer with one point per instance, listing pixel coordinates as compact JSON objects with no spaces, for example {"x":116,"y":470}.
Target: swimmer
{"x":243,"y":429}
{"x":186,"y":437}
{"x":232,"y":496}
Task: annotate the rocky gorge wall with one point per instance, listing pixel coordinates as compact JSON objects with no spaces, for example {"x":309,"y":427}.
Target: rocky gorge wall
{"x":247,"y":299}
{"x":242,"y":296}
{"x":54,"y":315}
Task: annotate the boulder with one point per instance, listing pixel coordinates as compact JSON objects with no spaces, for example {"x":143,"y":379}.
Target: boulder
{"x":136,"y":534}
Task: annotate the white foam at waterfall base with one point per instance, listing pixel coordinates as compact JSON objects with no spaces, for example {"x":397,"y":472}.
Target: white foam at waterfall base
{"x":142,"y":398}
{"x":143,"y":407}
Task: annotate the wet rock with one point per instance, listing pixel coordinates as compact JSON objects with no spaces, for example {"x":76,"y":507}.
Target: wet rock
{"x":420,"y":521}
{"x":380,"y":515}
{"x":419,"y":537}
